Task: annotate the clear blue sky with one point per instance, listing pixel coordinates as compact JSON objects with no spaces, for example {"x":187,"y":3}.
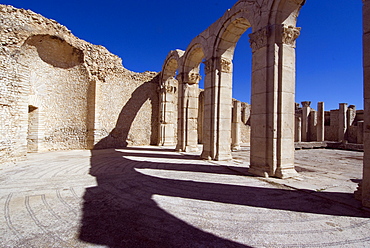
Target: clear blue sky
{"x":329,"y":50}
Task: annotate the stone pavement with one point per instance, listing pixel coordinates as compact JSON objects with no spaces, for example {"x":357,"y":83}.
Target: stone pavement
{"x":155,"y":197}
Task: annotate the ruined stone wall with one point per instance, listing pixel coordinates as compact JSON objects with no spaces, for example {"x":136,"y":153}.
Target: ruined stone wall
{"x":60,"y":92}
{"x":352,"y":132}
{"x":130,"y":115}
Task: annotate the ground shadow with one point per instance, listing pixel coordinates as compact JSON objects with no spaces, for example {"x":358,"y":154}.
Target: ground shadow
{"x":120,"y":210}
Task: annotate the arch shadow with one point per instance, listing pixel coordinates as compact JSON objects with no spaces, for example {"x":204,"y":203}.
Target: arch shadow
{"x":121,"y":210}
{"x":119,"y":136}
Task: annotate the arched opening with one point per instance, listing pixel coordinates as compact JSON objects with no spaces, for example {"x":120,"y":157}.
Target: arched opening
{"x":168,"y":100}
{"x":188,"y":109}
{"x":218,"y":91}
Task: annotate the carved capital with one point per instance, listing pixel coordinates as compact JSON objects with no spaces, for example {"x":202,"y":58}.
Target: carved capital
{"x":225,"y":65}
{"x":259,"y":38}
{"x":306,"y":104}
{"x":208,"y":66}
{"x":193,"y":78}
{"x":289,"y":35}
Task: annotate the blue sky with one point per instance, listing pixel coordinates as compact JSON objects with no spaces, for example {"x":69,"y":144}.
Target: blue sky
{"x":329,"y":50}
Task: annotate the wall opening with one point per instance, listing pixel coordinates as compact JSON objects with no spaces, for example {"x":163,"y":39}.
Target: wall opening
{"x":33,"y":129}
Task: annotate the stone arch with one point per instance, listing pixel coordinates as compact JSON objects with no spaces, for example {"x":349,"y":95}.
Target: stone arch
{"x":168,"y":101}
{"x":188,"y":94}
{"x":218,"y":83}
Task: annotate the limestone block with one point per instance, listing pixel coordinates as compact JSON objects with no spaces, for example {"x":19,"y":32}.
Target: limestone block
{"x":287,"y":103}
{"x":258,"y":147}
{"x":258,"y":126}
{"x":259,"y":59}
{"x":288,"y":81}
{"x":259,"y":81}
{"x":259,"y":105}
{"x":287,"y":128}
{"x":288,"y":57}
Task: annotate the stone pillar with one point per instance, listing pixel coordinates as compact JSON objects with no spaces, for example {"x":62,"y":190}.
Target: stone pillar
{"x":200,"y":117}
{"x":351,"y":115}
{"x":312,"y":125}
{"x":273,"y":106}
{"x":235,"y":128}
{"x":360,"y":132}
{"x":167,"y":110}
{"x":187,"y":138}
{"x":217,"y":109}
{"x":306,"y":110}
{"x":320,"y":125}
{"x":342,"y":122}
{"x":366,"y":50}
{"x":246,"y":112}
{"x":298,"y":123}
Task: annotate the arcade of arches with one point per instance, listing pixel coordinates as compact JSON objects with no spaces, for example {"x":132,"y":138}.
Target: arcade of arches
{"x":272,"y":41}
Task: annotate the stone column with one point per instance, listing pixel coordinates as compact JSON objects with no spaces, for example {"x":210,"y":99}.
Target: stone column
{"x":366,"y":50}
{"x":200,"y":117}
{"x":298,"y":123}
{"x":167,"y":110}
{"x":217,"y":109}
{"x":306,"y":110}
{"x":235,"y":128}
{"x":342,"y":122}
{"x":360,"y":132}
{"x":273,"y":106}
{"x":320,"y":125}
{"x":188,"y":112}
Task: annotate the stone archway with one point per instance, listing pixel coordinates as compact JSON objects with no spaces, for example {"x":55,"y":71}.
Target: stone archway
{"x":189,"y":78}
{"x":168,"y":100}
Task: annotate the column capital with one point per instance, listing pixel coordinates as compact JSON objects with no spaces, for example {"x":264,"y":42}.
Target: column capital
{"x":225,"y":65}
{"x":289,"y":35}
{"x":208,"y":65}
{"x":306,"y":104}
{"x":259,"y":38}
{"x":193,"y":78}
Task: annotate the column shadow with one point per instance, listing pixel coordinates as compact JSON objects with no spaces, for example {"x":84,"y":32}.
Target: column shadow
{"x":120,"y":210}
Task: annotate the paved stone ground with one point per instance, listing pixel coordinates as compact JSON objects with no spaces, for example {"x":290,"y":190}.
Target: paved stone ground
{"x":154,"y":197}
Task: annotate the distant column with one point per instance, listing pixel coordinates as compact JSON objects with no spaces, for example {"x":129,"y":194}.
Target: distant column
{"x":342,"y":122}
{"x":306,"y":110}
{"x":351,"y":115}
{"x":320,"y":125}
{"x":235,"y":128}
{"x":360,"y":132}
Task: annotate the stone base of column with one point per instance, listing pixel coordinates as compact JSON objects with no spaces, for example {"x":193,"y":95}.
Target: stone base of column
{"x":168,"y":143}
{"x":284,"y":173}
{"x":206,"y":155}
{"x":235,"y":148}
{"x":191,"y":148}
{"x":258,"y":171}
{"x":223,"y":157}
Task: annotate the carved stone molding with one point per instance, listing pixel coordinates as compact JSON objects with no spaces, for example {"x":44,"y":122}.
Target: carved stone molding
{"x":167,"y":89}
{"x":225,"y":65}
{"x":290,"y":34}
{"x":208,"y":66}
{"x":258,"y":39}
{"x":193,"y":78}
{"x":306,"y":104}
